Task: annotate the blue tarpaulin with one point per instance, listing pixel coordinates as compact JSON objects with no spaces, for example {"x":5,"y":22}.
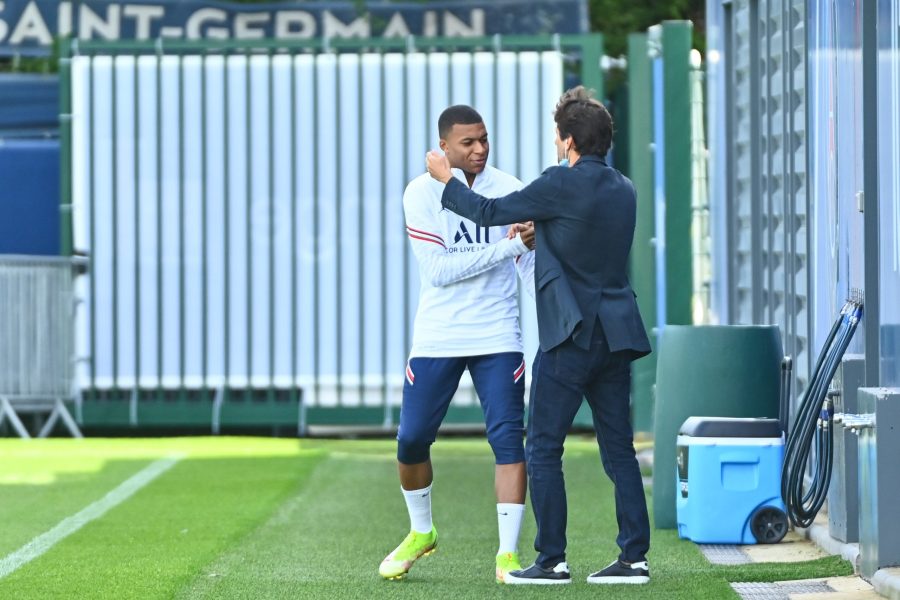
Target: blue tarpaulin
{"x":29,"y":196}
{"x":29,"y":105}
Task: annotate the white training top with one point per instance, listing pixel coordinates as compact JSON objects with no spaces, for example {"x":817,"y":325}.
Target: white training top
{"x":467,"y":300}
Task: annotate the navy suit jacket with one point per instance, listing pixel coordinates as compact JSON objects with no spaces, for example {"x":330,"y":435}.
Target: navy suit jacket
{"x":584,"y":219}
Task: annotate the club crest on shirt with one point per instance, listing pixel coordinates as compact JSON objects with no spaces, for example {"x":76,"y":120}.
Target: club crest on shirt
{"x":462,"y":233}
{"x":465,"y":236}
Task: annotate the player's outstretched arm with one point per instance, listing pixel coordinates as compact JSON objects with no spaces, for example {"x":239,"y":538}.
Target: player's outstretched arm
{"x":436,"y":265}
{"x":441,"y":268}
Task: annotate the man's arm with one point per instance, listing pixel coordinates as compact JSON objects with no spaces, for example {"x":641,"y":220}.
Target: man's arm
{"x":436,"y":265}
{"x":538,"y":201}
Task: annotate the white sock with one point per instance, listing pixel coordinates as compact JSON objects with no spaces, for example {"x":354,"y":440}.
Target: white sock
{"x":418,"y":504}
{"x":509,"y":522}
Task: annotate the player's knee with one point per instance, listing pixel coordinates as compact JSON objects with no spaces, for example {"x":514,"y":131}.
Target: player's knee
{"x":413,"y":448}
{"x":508,"y":454}
{"x":507,"y":443}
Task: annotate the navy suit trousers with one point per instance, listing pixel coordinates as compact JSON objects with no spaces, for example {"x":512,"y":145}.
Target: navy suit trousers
{"x":561,"y":379}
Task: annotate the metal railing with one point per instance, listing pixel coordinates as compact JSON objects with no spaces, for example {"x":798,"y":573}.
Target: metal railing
{"x":36,"y":341}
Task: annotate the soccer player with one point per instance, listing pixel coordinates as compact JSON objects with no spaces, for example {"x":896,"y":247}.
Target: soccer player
{"x":468,"y":318}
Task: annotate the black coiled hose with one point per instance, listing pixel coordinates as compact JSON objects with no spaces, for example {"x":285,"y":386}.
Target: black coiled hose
{"x":812,"y":427}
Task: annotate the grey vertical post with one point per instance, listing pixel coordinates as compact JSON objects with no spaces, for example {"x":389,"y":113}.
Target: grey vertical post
{"x":226,"y":226}
{"x":843,"y":504}
{"x":338,"y":236}
{"x":870,"y":189}
{"x":159,"y":228}
{"x":797,"y":184}
{"x":317,"y":386}
{"x":385,"y":398}
{"x":114,"y":251}
{"x":137,"y":237}
{"x":879,"y":487}
{"x":182,"y":233}
{"x":204,"y":235}
{"x":296,"y":395}
{"x":248,"y":219}
{"x":270,"y":393}
{"x":361,"y":228}
{"x":756,"y":216}
{"x":92,"y":225}
{"x":729,"y":204}
{"x":769,"y":65}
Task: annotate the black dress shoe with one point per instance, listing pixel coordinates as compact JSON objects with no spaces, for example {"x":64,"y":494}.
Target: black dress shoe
{"x":535,"y":575}
{"x":619,"y":572}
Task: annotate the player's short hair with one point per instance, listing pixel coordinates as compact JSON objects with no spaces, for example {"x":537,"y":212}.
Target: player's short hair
{"x":584,"y":118}
{"x":458,"y":114}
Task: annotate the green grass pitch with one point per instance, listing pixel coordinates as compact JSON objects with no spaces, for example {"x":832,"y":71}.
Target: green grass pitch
{"x":280,"y":518}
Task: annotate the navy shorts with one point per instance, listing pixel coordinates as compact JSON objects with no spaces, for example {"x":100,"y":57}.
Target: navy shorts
{"x":430,"y":385}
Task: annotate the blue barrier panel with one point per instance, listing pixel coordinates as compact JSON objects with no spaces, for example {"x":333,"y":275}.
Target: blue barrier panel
{"x":29,"y":104}
{"x":29,"y":197}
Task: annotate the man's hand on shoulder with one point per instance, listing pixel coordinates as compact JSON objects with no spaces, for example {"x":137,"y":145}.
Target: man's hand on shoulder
{"x":438,"y":166}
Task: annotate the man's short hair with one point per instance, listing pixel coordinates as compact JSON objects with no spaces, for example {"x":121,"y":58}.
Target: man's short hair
{"x":584,"y":118}
{"x":458,"y":114}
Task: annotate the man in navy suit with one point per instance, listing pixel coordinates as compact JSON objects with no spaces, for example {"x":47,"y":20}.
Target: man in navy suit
{"x":589,"y":328}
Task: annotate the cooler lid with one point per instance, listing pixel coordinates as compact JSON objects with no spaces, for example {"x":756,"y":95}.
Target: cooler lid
{"x":728,"y":427}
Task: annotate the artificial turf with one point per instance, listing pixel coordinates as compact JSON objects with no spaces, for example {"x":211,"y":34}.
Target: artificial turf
{"x":268,"y":518}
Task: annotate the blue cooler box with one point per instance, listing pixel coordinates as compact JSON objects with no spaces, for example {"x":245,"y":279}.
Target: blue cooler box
{"x":728,"y":488}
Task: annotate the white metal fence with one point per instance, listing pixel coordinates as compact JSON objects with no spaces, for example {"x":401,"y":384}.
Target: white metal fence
{"x":243,"y":211}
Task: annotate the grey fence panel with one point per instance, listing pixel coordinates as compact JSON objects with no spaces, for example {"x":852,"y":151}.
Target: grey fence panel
{"x":767,"y":155}
{"x":783,"y":175}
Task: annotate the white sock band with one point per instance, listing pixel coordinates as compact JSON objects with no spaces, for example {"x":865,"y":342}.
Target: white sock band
{"x":418,"y":504}
{"x":509,"y":522}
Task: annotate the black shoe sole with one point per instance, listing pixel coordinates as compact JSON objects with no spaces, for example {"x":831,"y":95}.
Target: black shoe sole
{"x":510,"y":580}
{"x":625,"y":579}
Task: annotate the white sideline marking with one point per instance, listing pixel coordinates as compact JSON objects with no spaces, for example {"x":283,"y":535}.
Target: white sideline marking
{"x":95,"y":510}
